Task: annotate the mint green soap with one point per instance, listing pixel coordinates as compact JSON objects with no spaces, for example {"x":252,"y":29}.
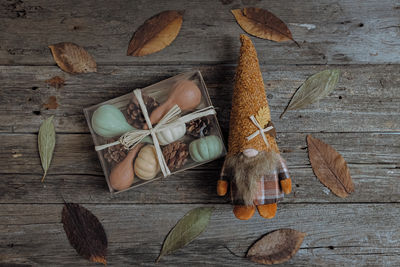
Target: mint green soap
{"x":205,"y":148}
{"x":108,"y":121}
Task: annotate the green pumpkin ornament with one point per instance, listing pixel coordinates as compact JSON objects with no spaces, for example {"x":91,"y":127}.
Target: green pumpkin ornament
{"x":206,"y":148}
{"x":108,"y":121}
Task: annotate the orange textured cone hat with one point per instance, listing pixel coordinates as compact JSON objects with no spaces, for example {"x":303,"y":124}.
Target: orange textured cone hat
{"x":248,"y":99}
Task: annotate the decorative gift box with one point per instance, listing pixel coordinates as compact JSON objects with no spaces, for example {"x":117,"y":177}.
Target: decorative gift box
{"x":156,"y":131}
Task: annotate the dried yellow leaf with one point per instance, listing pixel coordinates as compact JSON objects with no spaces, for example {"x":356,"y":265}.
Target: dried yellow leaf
{"x":263,"y":116}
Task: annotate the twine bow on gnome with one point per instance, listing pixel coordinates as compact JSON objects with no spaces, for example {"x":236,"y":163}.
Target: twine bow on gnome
{"x":170,"y":120}
{"x":259,"y":131}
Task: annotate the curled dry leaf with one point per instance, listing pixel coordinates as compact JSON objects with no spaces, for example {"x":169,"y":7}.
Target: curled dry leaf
{"x":262,"y":24}
{"x":329,"y":167}
{"x":51,"y":103}
{"x":156,"y":33}
{"x":57,"y":82}
{"x":276,"y":247}
{"x":316,"y":87}
{"x":84,"y":232}
{"x":46,"y":143}
{"x":186,"y":230}
{"x":72,"y":58}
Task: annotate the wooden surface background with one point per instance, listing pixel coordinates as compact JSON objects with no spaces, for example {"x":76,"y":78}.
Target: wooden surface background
{"x":360,"y":119}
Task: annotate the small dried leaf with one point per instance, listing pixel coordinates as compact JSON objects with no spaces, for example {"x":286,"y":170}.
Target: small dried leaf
{"x":276,"y":247}
{"x":317,"y":86}
{"x":263,"y":116}
{"x":156,"y":33}
{"x":73,"y":58}
{"x":84,"y":232}
{"x":262,"y":24}
{"x":57,"y":82}
{"x":186,"y":230}
{"x":46,"y":143}
{"x":329,"y":167}
{"x":51,"y":103}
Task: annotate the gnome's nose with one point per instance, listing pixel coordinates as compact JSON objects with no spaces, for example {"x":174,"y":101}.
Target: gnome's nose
{"x":250,"y":152}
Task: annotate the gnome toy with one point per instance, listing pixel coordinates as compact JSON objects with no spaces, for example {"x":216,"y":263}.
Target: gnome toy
{"x":256,"y":171}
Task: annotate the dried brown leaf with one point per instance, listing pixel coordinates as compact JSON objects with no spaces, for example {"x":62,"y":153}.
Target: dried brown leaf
{"x":51,"y":103}
{"x":73,"y":58}
{"x":57,"y":82}
{"x":155,"y":33}
{"x":84,"y":232}
{"x":329,"y":167}
{"x":276,"y":247}
{"x":262,"y":24}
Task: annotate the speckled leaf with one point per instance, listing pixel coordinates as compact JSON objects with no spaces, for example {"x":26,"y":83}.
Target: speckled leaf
{"x":84,"y":232}
{"x":46,"y":143}
{"x":156,"y":33}
{"x":72,"y":58}
{"x":262,"y":24}
{"x":317,"y":86}
{"x":329,"y":167}
{"x":276,"y":247}
{"x":187,"y":229}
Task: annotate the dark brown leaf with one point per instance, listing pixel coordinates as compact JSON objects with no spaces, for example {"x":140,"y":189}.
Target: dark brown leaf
{"x":73,"y":58}
{"x":276,"y":247}
{"x":329,"y":167}
{"x":85,"y":233}
{"x":156,"y":33}
{"x":262,"y":24}
{"x":51,"y":103}
{"x":57,"y":82}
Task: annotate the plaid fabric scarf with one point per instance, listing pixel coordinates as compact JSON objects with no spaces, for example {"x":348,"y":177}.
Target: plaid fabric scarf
{"x":269,"y":189}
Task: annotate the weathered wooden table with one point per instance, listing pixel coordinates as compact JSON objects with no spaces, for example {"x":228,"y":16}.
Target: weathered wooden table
{"x":361,"y":119}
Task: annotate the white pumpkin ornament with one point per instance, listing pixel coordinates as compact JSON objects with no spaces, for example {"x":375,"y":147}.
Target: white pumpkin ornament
{"x":170,"y":135}
{"x":146,"y":164}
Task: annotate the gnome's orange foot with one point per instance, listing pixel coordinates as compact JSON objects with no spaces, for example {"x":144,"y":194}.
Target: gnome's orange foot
{"x":267,"y":211}
{"x":244,"y":212}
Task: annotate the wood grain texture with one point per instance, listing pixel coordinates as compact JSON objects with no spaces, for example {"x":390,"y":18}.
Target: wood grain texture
{"x":32,"y":234}
{"x":360,"y":119}
{"x":366,"y":99}
{"x":345,"y":31}
{"x":75,"y":171}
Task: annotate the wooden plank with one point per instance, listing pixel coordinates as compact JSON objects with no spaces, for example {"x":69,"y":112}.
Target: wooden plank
{"x":339,"y":32}
{"x":75,"y":172}
{"x":366,"y":99}
{"x":33,"y":234}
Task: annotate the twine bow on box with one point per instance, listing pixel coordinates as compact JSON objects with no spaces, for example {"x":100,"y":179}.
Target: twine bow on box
{"x":170,"y":120}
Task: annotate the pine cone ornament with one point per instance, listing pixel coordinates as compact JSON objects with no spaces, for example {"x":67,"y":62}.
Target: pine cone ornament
{"x":115,"y":154}
{"x":134,"y":113}
{"x":175,"y":155}
{"x":199,"y":127}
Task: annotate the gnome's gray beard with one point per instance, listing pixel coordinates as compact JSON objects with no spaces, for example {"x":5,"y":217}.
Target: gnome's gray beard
{"x":246,"y":172}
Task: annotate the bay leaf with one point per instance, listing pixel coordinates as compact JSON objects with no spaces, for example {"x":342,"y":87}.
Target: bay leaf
{"x":46,"y":143}
{"x":156,"y":33}
{"x":186,"y":230}
{"x":84,"y":232}
{"x":329,"y":167}
{"x":315,"y":87}
{"x":262,"y":24}
{"x":276,"y":247}
{"x":72,"y":58}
